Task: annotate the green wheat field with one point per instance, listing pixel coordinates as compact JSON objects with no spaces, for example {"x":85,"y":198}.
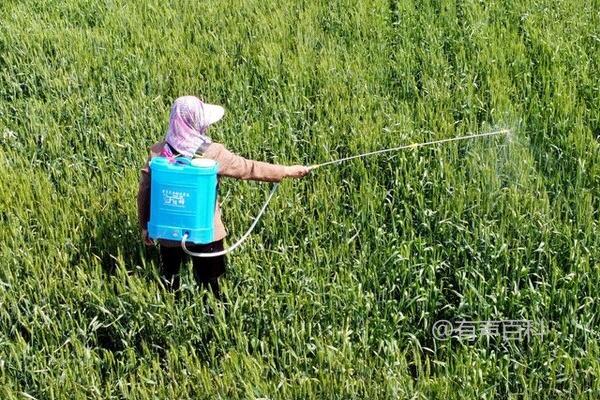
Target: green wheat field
{"x":337,"y":292}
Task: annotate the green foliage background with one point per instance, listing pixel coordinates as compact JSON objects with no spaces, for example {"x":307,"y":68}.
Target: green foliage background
{"x":336,"y":295}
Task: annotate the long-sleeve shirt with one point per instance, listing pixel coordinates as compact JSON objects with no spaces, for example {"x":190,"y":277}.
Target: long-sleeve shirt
{"x":230,"y":165}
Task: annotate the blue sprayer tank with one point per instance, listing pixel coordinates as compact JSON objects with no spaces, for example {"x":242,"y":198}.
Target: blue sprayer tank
{"x":183,"y":197}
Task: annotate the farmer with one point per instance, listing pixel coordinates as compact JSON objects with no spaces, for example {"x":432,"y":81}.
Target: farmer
{"x":186,"y":136}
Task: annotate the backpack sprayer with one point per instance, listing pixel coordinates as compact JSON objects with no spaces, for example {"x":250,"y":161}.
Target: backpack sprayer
{"x":184,"y":196}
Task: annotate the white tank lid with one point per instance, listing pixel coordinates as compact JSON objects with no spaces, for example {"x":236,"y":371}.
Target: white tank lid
{"x":203,"y":162}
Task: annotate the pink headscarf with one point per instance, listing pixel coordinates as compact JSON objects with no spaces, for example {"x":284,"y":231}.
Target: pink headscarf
{"x":190,"y":117}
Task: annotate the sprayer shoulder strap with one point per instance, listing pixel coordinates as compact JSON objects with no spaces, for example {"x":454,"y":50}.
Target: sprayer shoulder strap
{"x":201,"y":150}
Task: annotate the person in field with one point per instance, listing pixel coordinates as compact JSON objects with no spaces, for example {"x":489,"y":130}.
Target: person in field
{"x":186,"y":136}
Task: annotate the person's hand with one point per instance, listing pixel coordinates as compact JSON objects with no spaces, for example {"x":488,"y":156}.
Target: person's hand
{"x":146,"y":239}
{"x":296,"y":171}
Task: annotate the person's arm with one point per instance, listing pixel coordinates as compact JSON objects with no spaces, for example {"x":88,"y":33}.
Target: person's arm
{"x":235,"y":166}
{"x":143,"y":203}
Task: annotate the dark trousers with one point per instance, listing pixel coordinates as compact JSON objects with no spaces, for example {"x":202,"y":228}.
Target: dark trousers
{"x":206,"y":270}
